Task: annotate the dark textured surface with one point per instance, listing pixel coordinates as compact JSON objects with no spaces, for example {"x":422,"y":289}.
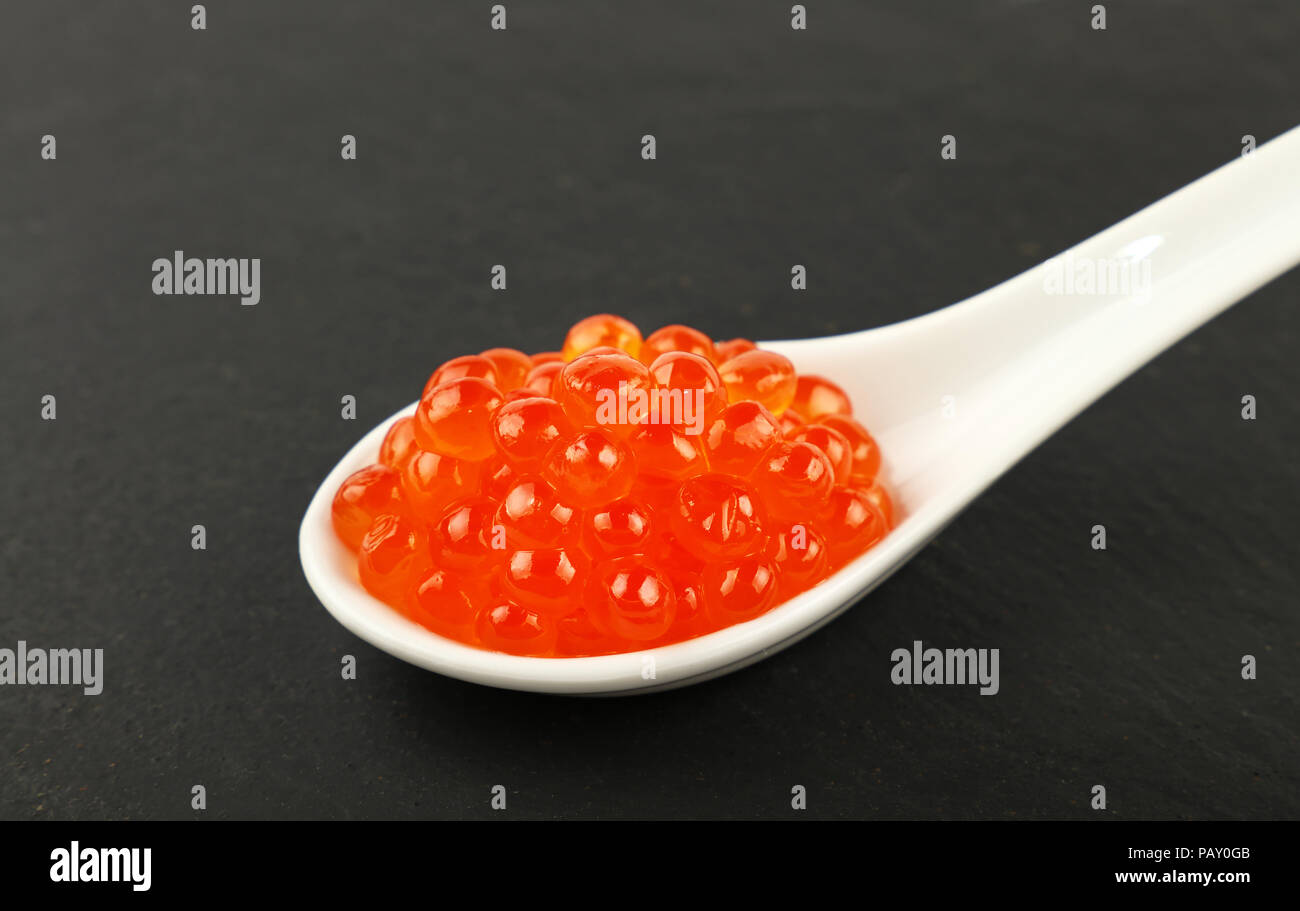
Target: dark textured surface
{"x":1119,"y":668}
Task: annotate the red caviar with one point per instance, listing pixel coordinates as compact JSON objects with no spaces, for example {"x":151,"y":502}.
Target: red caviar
{"x":511,"y":366}
{"x":622,"y":493}
{"x":760,"y":375}
{"x":676,"y":338}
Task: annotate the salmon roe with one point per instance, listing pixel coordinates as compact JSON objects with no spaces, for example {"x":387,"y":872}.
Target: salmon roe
{"x":621,"y":493}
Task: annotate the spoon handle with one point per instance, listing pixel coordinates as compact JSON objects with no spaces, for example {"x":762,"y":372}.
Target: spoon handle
{"x":1110,"y":304}
{"x":1021,"y":359}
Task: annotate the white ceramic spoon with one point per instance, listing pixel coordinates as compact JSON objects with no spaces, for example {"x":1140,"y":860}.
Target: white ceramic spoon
{"x":954,"y":398}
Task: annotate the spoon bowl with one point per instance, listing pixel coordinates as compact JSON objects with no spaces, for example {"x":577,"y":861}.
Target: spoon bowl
{"x":954,"y":398}
{"x":331,"y":570}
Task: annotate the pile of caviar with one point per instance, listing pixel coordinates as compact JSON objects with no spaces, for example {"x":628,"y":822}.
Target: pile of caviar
{"x":619,"y":494}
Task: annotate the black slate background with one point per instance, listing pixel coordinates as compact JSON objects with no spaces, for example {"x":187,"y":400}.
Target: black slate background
{"x":1118,"y":668}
